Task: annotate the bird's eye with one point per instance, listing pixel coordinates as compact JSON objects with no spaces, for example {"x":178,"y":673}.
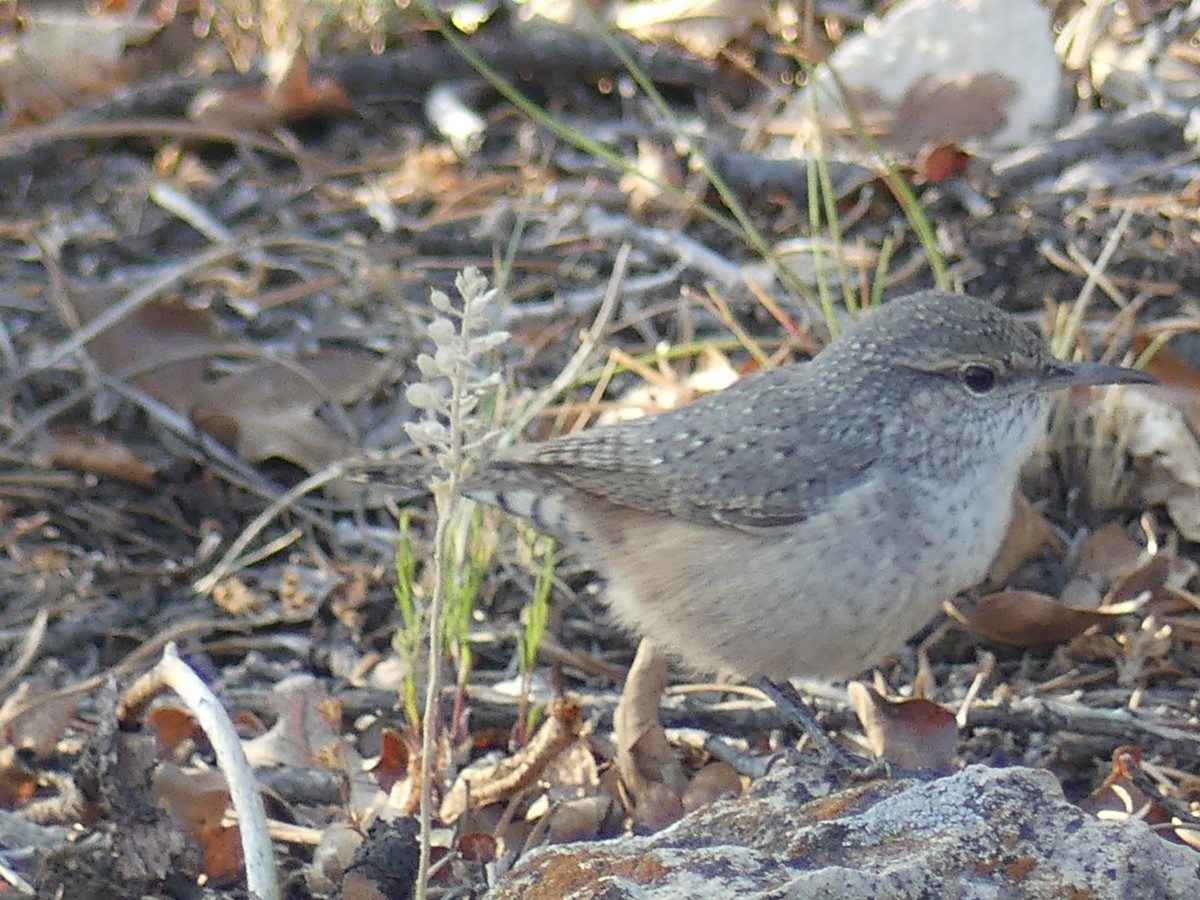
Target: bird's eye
{"x":977,"y":379}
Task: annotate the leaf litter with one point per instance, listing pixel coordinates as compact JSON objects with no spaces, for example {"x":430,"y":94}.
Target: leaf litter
{"x":242,"y":360}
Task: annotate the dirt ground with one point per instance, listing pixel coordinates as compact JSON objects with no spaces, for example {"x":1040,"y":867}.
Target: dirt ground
{"x":201,"y":312}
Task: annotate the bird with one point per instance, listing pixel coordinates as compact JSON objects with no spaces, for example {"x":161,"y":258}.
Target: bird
{"x":810,"y":519}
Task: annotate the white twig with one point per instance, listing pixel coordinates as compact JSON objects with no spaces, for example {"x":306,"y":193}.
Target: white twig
{"x":173,"y":672}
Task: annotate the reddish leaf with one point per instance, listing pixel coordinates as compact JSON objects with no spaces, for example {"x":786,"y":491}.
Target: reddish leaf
{"x":912,"y":734}
{"x":942,"y":161}
{"x":294,"y":99}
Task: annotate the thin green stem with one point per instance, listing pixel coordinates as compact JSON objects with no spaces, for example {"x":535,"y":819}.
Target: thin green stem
{"x":446,"y":496}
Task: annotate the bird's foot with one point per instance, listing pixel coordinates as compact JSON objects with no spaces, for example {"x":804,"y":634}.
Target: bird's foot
{"x":847,"y":766}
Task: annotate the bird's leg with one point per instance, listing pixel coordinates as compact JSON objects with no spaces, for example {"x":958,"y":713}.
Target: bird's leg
{"x":795,"y":709}
{"x":644,"y":755}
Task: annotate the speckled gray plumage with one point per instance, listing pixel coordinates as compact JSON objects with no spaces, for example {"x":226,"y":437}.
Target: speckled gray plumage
{"x":810,"y":518}
{"x":775,"y":445}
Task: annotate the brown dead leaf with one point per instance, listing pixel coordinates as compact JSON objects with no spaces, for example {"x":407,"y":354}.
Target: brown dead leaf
{"x":18,"y":778}
{"x":580,"y":820}
{"x":912,"y":734}
{"x":1028,"y":533}
{"x":937,"y":110}
{"x":1144,"y":583}
{"x":270,"y":411}
{"x":942,"y":161}
{"x":306,"y":731}
{"x":938,"y":71}
{"x":1124,"y":795}
{"x":477,"y":847}
{"x":1110,"y":553}
{"x":1118,"y":793}
{"x":1027,"y":618}
{"x":394,"y":760}
{"x":167,"y":342}
{"x":1116,"y":571}
{"x":294,"y":99}
{"x":197,"y":801}
{"x":569,"y":782}
{"x":172,"y":725}
{"x":656,"y":807}
{"x":1171,"y":369}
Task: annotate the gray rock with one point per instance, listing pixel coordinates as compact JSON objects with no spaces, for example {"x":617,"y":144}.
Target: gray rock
{"x":982,"y":833}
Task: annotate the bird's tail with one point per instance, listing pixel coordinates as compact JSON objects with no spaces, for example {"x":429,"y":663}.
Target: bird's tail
{"x":540,"y":499}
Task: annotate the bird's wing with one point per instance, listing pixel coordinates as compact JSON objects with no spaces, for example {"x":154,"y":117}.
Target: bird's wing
{"x":750,"y":457}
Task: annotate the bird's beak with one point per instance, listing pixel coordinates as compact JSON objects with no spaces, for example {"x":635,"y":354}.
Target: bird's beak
{"x":1061,"y":374}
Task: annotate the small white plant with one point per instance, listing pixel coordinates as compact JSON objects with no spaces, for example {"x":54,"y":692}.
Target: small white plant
{"x":461,"y":339}
{"x":453,"y":435}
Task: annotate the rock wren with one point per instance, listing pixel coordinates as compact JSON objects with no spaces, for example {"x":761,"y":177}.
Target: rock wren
{"x":810,"y":519}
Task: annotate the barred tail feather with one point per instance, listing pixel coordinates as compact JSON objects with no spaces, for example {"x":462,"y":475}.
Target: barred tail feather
{"x":541,"y":501}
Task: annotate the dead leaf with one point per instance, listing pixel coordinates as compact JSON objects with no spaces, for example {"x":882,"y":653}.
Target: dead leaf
{"x":948,"y":110}
{"x":294,"y":99}
{"x":580,"y":820}
{"x":1143,"y":583}
{"x":982,"y":72}
{"x":1028,"y":533}
{"x":172,"y":725}
{"x":942,"y":161}
{"x":656,"y":807}
{"x":166,"y":342}
{"x":270,"y":411}
{"x":477,"y":847}
{"x":197,"y":801}
{"x":18,"y":778}
{"x":395,"y":759}
{"x":1169,"y":367}
{"x":307,"y":729}
{"x":912,"y":734}
{"x":1110,"y":553}
{"x":1122,"y":796}
{"x":1027,"y":618}
{"x":1165,"y":450}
